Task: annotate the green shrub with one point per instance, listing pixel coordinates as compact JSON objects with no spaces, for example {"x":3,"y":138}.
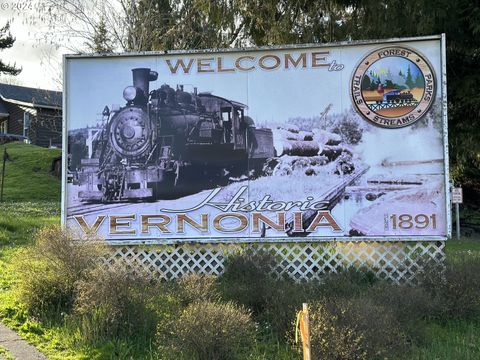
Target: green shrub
{"x":196,"y":287}
{"x":50,"y":268}
{"x":347,"y":282}
{"x":410,"y":305}
{"x":356,"y":329}
{"x":209,"y":331}
{"x":456,"y":289}
{"x":113,"y":302}
{"x":247,"y":280}
{"x":274,"y":302}
{"x":283,"y":303}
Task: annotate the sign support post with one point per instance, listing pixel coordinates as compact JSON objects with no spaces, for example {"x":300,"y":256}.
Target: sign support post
{"x":457,"y":199}
{"x":457,"y":215}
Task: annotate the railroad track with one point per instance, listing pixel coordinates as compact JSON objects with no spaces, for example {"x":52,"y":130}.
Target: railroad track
{"x":332,"y":196}
{"x":392,"y":105}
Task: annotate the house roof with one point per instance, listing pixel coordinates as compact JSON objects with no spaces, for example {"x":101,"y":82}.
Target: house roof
{"x":30,"y":96}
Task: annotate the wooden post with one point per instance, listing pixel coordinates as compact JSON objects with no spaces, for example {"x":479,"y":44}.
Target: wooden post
{"x":3,"y":172}
{"x":306,"y":333}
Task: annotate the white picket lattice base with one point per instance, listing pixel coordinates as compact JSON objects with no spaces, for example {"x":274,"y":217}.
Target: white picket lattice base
{"x":396,"y":261}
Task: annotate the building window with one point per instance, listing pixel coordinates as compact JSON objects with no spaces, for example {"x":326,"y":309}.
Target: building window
{"x":26,"y":123}
{"x":4,"y":126}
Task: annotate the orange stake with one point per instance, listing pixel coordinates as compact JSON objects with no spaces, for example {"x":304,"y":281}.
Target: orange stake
{"x":304,"y":326}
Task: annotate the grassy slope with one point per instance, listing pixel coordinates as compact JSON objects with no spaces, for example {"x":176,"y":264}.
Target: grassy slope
{"x":31,"y":201}
{"x":27,"y":174}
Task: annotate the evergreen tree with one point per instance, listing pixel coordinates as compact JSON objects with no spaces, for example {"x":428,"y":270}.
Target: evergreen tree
{"x":420,"y":81}
{"x":365,"y":82}
{"x":6,"y":41}
{"x":409,"y":79}
{"x":101,"y":42}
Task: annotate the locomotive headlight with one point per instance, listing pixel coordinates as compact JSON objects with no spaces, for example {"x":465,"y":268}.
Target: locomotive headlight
{"x":130,"y":93}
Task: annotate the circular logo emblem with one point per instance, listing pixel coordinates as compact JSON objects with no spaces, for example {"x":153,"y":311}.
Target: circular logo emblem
{"x":393,"y":86}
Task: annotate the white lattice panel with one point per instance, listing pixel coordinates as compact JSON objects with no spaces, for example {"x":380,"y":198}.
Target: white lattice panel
{"x":397,"y":261}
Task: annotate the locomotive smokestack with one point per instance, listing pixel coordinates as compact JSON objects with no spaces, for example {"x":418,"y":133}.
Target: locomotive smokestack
{"x":142,"y":78}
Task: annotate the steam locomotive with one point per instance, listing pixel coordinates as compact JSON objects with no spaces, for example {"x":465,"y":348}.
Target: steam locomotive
{"x":399,"y":97}
{"x":169,"y":142}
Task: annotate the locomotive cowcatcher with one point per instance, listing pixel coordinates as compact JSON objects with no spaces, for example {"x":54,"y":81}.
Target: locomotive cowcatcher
{"x":169,"y":142}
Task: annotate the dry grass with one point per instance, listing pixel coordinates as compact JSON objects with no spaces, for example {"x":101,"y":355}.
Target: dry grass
{"x":210,"y":331}
{"x":354,"y":329}
{"x":113,"y":302}
{"x":50,"y":269}
{"x":197,"y":287}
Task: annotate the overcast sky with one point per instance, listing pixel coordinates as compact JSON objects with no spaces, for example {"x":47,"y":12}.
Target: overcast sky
{"x":40,"y":62}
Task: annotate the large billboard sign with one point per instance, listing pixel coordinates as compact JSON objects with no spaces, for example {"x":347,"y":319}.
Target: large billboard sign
{"x":310,"y":142}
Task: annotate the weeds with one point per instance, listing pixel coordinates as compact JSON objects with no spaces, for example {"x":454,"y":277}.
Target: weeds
{"x":247,"y":280}
{"x":113,"y":302}
{"x":5,"y":354}
{"x":354,"y":329}
{"x":210,"y":331}
{"x":50,"y":269}
{"x":347,"y":282}
{"x":456,"y":290}
{"x":195,"y":287}
{"x":410,"y":305}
